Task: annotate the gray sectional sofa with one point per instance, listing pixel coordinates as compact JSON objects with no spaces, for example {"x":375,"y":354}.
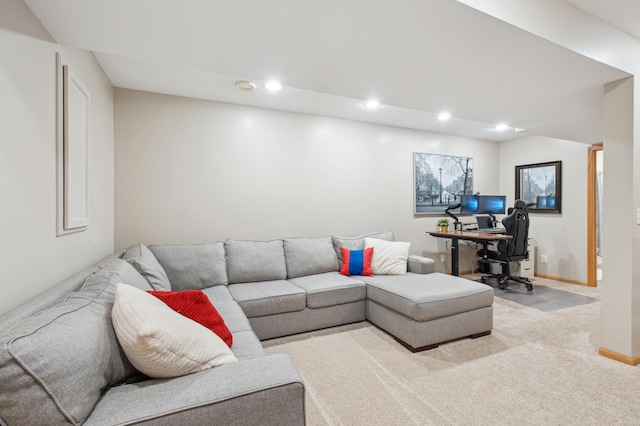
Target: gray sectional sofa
{"x":61,"y":363}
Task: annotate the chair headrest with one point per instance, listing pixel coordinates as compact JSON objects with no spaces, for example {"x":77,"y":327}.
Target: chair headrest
{"x":519,"y":204}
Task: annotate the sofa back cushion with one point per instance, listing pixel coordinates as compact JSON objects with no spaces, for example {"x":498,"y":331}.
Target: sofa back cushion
{"x":308,"y":256}
{"x":249,"y":261}
{"x":142,"y":259}
{"x":193,"y":266}
{"x":356,"y":242}
{"x":54,"y":364}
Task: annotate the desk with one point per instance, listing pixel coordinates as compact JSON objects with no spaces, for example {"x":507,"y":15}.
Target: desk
{"x":477,"y":237}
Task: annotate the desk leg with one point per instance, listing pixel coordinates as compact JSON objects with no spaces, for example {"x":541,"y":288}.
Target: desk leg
{"x":485,"y":256}
{"x":454,"y":256}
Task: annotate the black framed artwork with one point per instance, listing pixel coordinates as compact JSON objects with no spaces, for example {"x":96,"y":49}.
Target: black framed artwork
{"x":540,"y":186}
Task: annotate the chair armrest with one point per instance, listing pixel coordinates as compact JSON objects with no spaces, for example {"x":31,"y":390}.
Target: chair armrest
{"x":421,"y":265}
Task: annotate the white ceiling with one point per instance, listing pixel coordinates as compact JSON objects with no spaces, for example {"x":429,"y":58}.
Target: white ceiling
{"x":418,"y":57}
{"x":623,"y":14}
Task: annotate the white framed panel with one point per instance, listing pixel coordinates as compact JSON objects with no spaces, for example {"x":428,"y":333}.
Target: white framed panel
{"x":74,"y":101}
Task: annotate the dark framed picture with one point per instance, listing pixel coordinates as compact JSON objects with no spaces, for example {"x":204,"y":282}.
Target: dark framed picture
{"x":439,"y":181}
{"x":540,"y":186}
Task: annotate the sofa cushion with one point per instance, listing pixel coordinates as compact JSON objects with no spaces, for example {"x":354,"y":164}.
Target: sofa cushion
{"x":356,"y":242}
{"x":247,"y":345}
{"x":195,"y":305}
{"x":330,"y":289}
{"x":142,"y":259}
{"x":307,"y":256}
{"x":82,"y":354}
{"x":233,"y":316}
{"x":218,"y":293}
{"x":356,"y":262}
{"x":389,"y":258}
{"x":160,"y":342}
{"x":192,"y":266}
{"x":250,"y":261}
{"x":426,"y":297}
{"x":268,"y":297}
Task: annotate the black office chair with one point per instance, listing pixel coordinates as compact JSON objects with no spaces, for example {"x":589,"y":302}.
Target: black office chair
{"x":515,"y":249}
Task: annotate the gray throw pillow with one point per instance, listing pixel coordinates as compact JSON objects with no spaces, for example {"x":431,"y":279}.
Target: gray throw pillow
{"x":140,"y":257}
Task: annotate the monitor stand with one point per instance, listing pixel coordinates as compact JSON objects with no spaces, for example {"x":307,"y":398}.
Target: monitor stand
{"x":456,"y":223}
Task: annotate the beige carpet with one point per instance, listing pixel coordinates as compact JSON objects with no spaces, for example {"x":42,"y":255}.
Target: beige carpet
{"x":536,"y":368}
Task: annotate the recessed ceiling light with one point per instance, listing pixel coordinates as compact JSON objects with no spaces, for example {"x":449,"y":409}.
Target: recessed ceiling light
{"x":372,"y":103}
{"x":501,"y":126}
{"x":273,"y":85}
{"x":245,"y":85}
{"x":444,"y":116}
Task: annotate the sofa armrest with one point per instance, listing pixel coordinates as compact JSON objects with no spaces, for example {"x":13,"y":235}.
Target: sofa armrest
{"x":265,"y":390}
{"x":421,"y":265}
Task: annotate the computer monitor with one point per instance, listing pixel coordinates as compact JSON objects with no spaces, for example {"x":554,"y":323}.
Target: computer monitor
{"x":484,"y":222}
{"x":468,"y":204}
{"x":492,"y":204}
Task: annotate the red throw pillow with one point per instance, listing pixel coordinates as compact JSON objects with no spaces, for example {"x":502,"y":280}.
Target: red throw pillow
{"x":195,"y":305}
{"x":356,"y":262}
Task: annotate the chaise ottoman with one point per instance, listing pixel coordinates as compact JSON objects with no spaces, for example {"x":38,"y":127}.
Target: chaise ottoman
{"x":422,"y":311}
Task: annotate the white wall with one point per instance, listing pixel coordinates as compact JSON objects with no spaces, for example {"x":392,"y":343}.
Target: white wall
{"x":32,"y":258}
{"x":190,"y":171}
{"x":562,"y":237}
{"x":618,"y":311}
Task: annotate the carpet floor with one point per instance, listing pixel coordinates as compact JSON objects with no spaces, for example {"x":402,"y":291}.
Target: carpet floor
{"x":536,"y":368}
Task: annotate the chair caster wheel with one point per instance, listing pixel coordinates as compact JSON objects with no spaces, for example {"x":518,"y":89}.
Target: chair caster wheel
{"x":483,"y":280}
{"x":529,"y":287}
{"x":502,"y":283}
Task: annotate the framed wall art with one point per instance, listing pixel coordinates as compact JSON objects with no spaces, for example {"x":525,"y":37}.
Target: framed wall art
{"x":540,"y":186}
{"x":439,"y":181}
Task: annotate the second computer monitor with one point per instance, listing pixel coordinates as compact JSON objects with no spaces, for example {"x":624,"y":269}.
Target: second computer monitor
{"x":468,"y":204}
{"x":492,"y":204}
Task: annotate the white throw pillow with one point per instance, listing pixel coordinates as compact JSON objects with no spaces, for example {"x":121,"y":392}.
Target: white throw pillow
{"x":389,"y":258}
{"x":160,"y":342}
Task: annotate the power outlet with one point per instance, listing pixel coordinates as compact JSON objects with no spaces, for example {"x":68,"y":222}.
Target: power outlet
{"x":543,"y":258}
{"x":442,"y":258}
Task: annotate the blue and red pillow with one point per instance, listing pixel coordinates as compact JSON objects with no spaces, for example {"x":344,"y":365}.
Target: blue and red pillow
{"x":356,"y":262}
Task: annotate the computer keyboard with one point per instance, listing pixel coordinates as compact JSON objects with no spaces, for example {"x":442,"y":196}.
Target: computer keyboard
{"x":491,"y":230}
